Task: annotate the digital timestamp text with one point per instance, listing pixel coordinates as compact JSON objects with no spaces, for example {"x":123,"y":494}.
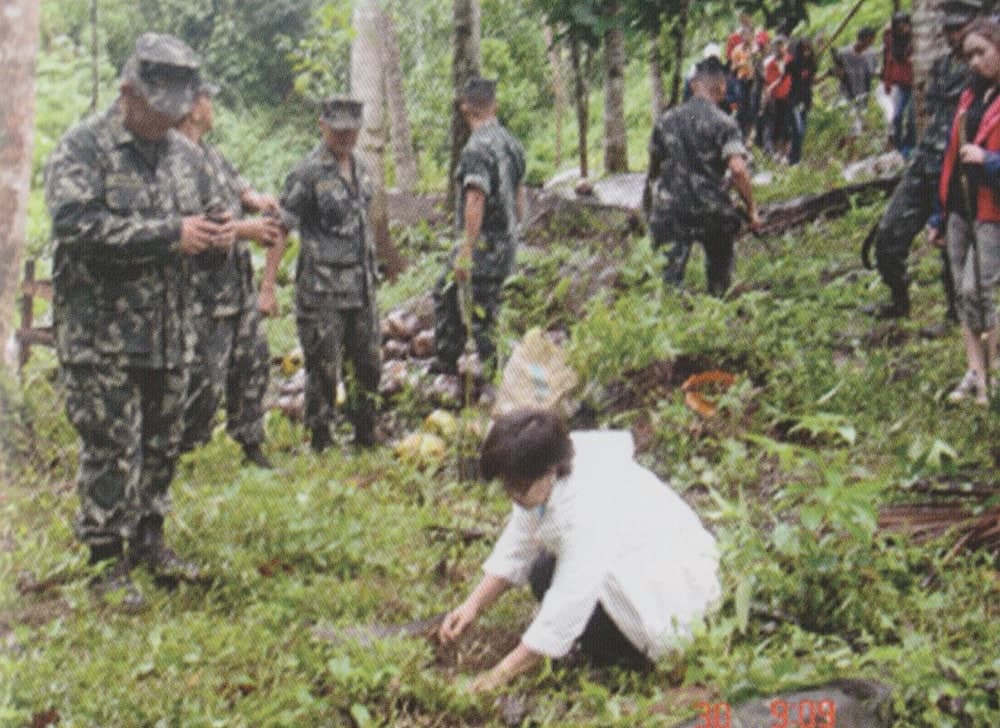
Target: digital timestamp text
{"x":785,"y":714}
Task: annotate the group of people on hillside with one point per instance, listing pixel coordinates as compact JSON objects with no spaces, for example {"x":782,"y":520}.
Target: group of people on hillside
{"x":771,"y":78}
{"x":157,"y":319}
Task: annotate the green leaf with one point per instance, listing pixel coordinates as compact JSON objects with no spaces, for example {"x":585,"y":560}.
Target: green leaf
{"x":744,"y":592}
{"x":362,"y":717}
{"x":811,"y":517}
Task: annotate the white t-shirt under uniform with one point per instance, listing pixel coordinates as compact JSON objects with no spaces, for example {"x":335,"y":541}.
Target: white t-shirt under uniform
{"x":621,"y":537}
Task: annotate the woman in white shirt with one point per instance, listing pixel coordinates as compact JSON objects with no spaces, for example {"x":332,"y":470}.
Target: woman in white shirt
{"x":620,"y":562}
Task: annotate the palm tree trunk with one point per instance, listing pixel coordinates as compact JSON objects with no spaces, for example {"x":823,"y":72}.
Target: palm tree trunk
{"x":558,"y":90}
{"x":399,"y":120}
{"x":659,"y":100}
{"x":464,"y":65}
{"x":615,"y":134}
{"x":19,"y":46}
{"x":679,"y":32}
{"x":927,"y":48}
{"x":580,"y":98}
{"x":367,"y":85}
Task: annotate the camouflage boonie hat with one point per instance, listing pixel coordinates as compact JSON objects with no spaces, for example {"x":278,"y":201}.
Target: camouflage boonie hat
{"x":479,"y":91}
{"x":960,"y":12}
{"x":165,"y":71}
{"x":342,"y":112}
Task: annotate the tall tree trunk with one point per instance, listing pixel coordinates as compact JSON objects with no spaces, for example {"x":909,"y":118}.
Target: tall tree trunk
{"x":465,"y":64}
{"x":580,"y":98}
{"x":19,"y":49}
{"x":558,"y":90}
{"x":399,"y":120}
{"x":928,"y":21}
{"x":679,"y":33}
{"x":95,"y":59}
{"x":659,"y":100}
{"x":615,"y":134}
{"x":367,"y":85}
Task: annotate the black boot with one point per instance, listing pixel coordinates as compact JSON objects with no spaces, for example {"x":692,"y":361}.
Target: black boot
{"x":321,"y":439}
{"x":115,"y":582}
{"x":364,"y":426}
{"x":898,"y":307}
{"x":253,"y":454}
{"x":150,"y":549}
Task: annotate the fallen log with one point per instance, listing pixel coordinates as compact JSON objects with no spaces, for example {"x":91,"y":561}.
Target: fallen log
{"x":782,"y":216}
{"x":927,"y":521}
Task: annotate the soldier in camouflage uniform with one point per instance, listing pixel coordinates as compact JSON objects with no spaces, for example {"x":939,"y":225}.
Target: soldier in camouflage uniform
{"x":490,"y":200}
{"x":326,"y":198}
{"x":126,"y":194}
{"x":686,"y":199}
{"x":915,"y":197}
{"x":231,"y":355}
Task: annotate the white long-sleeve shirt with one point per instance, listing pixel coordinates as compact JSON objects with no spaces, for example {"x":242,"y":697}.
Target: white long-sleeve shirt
{"x":621,"y":537}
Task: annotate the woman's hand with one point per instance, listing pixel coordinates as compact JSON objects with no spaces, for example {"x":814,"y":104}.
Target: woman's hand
{"x":456,"y":621}
{"x":519,"y":660}
{"x":972,"y":154}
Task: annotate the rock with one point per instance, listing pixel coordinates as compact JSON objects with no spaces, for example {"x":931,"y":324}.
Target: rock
{"x":401,"y":325}
{"x":883,"y":165}
{"x":395,"y":349}
{"x":584,"y":188}
{"x":469,"y":364}
{"x":293,"y":405}
{"x":395,"y":377}
{"x":422,"y":345}
{"x":446,"y":389}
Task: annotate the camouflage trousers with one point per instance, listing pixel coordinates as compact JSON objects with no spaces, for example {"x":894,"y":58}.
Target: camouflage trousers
{"x":329,"y":339}
{"x":904,"y":217}
{"x":130,"y":423}
{"x":450,"y":331}
{"x":717,"y":240}
{"x":231,"y":359}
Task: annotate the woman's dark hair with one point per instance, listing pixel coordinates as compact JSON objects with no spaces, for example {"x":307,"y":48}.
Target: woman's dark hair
{"x":985,"y":28}
{"x":524,"y":445}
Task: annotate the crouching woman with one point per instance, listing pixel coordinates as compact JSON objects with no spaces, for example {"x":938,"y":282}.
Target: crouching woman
{"x":620,"y":563}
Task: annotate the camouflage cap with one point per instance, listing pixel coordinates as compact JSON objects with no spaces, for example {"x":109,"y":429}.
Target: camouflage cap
{"x":342,"y":112}
{"x":479,"y":91}
{"x":165,"y":71}
{"x":960,"y":12}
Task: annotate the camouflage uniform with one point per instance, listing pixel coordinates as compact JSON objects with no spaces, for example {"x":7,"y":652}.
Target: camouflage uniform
{"x":691,"y":145}
{"x":231,"y":356}
{"x":120,"y":312}
{"x":335,"y":285}
{"x":492,"y":161}
{"x":913,"y":200}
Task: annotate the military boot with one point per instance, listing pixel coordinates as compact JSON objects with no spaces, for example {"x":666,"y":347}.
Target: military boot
{"x":150,"y":549}
{"x":898,"y":307}
{"x":115,"y":582}
{"x":364,"y":427}
{"x":321,"y":439}
{"x":252,"y":453}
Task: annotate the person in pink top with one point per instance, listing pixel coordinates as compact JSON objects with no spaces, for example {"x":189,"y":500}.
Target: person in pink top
{"x":777,"y":101}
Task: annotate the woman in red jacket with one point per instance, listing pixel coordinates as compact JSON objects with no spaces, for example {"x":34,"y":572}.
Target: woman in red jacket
{"x":970,"y":194}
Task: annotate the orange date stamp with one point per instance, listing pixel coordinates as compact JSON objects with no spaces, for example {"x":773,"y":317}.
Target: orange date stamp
{"x":785,"y":714}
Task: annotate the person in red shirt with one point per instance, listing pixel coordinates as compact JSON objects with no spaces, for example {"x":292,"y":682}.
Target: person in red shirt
{"x":776,"y":98}
{"x":897,"y":79}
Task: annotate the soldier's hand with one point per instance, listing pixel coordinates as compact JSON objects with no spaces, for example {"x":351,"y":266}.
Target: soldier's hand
{"x":463,"y":265}
{"x":267,"y":302}
{"x":223,"y":235}
{"x":267,"y":231}
{"x":261,"y":202}
{"x":196,"y":234}
{"x":756,"y":223}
